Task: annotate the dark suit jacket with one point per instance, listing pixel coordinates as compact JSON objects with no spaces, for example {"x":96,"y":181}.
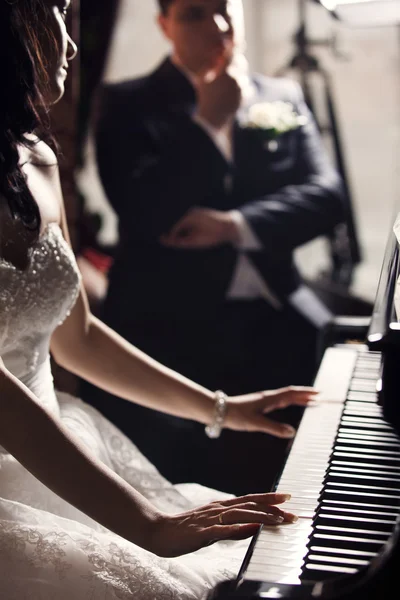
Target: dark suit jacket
{"x":155,"y":163}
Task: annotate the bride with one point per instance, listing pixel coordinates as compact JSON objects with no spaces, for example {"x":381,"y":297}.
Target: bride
{"x":83,"y":514}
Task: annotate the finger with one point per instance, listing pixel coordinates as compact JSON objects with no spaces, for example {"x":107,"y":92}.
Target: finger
{"x":280,"y":403}
{"x":168,"y":241}
{"x":283,"y":431}
{"x":239,"y":532}
{"x":280,"y":395}
{"x":217,"y":65}
{"x":181,"y":227}
{"x":238,"y":515}
{"x":299,"y":388}
{"x":270,"y":498}
{"x":276,"y":513}
{"x":192,"y":240}
{"x":185,"y":237}
{"x":181,"y":240}
{"x":292,"y":392}
{"x":275,"y":428}
{"x":287,"y":398}
{"x":273,"y":514}
{"x":230,"y":532}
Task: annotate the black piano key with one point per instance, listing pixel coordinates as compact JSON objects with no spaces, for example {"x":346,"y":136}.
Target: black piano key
{"x":371,"y":430}
{"x":384,"y":458}
{"x":367,"y":434}
{"x":340,"y":476}
{"x":350,"y":521}
{"x":353,"y":512}
{"x":382,"y":499}
{"x":349,"y":542}
{"x":361,"y":505}
{"x":363,"y":488}
{"x":372,"y":465}
{"x":361,"y":469}
{"x":352,"y":530}
{"x":385,"y":454}
{"x":366,"y":422}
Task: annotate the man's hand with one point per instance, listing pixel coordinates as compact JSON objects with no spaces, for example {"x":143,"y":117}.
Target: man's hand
{"x":218,"y":100}
{"x":218,"y":88}
{"x":202,"y":228}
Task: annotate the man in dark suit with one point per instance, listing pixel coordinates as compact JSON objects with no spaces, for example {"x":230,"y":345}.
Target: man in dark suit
{"x":211,"y":207}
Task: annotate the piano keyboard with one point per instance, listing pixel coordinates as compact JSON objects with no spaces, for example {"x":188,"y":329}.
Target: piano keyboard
{"x":343,"y":472}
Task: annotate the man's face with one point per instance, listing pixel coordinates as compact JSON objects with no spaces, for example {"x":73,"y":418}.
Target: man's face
{"x":202,"y":30}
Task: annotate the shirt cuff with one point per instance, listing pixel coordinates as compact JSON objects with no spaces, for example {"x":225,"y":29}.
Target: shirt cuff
{"x":247,"y":238}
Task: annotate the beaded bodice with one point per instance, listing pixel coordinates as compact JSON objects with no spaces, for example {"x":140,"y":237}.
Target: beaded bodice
{"x":33,"y":303}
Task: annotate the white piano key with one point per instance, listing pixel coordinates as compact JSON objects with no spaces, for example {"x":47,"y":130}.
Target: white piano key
{"x":292,"y":578}
{"x":322,"y":558}
{"x":277,"y":560}
{"x":332,"y":387}
{"x":332,"y":569}
{"x":345,"y":551}
{"x":265,"y":550}
{"x":283,"y":552}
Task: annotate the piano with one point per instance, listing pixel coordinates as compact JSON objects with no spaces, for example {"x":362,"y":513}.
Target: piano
{"x":343,"y":471}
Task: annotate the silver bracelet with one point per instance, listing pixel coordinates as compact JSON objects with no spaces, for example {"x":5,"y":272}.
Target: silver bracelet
{"x":213,"y":430}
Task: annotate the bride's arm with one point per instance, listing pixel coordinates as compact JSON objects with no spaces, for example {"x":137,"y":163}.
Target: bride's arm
{"x":85,"y":346}
{"x":45,"y":447}
{"x":90,"y":349}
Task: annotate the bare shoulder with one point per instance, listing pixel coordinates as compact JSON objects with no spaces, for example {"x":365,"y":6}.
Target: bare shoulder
{"x":38,"y":153}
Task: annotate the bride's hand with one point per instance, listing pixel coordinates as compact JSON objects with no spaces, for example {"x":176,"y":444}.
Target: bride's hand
{"x":248,"y":412}
{"x":233,"y":519}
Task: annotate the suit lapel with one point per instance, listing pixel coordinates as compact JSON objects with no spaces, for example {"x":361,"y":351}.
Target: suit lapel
{"x":179,"y":100}
{"x":177,"y":92}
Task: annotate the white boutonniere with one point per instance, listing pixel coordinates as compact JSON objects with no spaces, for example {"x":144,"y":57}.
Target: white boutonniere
{"x":272,"y":119}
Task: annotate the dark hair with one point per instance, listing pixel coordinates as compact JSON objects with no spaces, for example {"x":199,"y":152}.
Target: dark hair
{"x":164,"y":5}
{"x":23,"y":110}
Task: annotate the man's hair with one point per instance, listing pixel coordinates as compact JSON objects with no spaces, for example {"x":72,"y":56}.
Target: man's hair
{"x":164,"y":5}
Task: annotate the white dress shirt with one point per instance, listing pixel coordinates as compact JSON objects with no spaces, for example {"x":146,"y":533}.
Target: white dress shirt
{"x":246,"y":283}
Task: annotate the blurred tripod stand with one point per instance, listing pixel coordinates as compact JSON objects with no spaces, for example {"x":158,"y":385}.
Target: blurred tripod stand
{"x":344,"y":245}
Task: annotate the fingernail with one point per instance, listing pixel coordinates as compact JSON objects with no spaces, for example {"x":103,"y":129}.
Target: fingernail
{"x":289,"y":431}
{"x":313,"y":403}
{"x":276,"y":518}
{"x":285,"y":497}
{"x":294,"y":518}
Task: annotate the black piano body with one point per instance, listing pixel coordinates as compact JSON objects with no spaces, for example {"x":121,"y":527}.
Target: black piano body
{"x":347,"y":546}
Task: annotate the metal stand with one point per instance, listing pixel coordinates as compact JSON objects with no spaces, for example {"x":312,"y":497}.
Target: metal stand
{"x":344,"y":245}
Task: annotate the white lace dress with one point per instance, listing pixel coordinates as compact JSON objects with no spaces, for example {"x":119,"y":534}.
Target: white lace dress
{"x":49,"y":550}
